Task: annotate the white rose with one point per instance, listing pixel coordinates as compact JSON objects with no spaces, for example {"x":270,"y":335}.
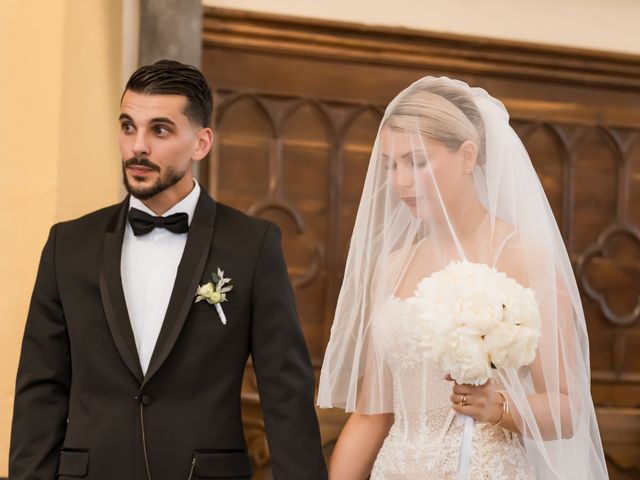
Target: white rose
{"x":512,"y":345}
{"x":214,"y":297}
{"x":431,"y":324}
{"x":480,"y":310}
{"x":205,"y":290}
{"x":466,"y":359}
{"x":522,"y":309}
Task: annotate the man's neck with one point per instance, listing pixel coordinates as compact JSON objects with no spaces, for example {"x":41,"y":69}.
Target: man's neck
{"x":165,"y":200}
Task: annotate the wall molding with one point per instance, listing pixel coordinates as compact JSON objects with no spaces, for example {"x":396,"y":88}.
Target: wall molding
{"x":236,"y":29}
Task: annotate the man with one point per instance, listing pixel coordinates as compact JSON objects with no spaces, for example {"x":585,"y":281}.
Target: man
{"x":144,"y":314}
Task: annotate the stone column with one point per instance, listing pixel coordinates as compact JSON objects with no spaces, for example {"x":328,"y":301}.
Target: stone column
{"x":171,"y":29}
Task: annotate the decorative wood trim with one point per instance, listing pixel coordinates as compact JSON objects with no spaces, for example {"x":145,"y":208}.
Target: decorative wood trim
{"x":236,"y":29}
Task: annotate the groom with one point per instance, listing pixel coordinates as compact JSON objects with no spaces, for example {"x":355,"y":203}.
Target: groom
{"x":123,"y":374}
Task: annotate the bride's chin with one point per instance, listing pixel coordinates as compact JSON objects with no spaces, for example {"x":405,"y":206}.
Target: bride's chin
{"x":414,"y":211}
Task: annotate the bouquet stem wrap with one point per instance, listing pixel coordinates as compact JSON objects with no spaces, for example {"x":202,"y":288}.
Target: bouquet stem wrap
{"x":466,"y":449}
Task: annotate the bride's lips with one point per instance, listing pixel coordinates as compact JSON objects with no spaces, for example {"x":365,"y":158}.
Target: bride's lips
{"x":410,"y":201}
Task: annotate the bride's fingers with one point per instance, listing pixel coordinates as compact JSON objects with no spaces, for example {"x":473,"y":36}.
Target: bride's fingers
{"x":468,"y":410}
{"x":462,"y":389}
{"x":457,"y":400}
{"x":486,"y":386}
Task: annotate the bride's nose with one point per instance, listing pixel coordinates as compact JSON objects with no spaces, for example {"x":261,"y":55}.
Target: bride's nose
{"x":404,"y":176}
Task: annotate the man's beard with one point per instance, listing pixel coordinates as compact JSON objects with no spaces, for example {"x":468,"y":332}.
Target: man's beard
{"x":165,"y":180}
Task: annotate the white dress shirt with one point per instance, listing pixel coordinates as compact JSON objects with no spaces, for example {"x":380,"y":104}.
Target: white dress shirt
{"x":148,"y":266}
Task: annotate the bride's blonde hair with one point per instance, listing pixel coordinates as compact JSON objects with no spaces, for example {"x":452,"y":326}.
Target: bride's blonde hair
{"x":443,"y":112}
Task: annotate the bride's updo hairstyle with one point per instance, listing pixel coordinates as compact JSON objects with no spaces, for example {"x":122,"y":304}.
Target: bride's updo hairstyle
{"x":442,"y":112}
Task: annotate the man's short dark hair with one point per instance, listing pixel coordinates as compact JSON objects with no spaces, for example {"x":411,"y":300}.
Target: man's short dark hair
{"x":168,"y":77}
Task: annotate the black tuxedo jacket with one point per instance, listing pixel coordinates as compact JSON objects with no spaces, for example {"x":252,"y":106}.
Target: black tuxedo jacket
{"x":83,"y":408}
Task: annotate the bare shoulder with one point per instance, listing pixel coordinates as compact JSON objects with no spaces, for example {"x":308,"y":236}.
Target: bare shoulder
{"x":393,"y":267}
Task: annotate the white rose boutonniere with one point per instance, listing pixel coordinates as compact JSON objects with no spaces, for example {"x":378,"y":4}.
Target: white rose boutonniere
{"x":215,"y":292}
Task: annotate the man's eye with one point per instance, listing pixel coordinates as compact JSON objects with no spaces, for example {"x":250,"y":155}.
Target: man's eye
{"x":127,"y":127}
{"x":162,"y":131}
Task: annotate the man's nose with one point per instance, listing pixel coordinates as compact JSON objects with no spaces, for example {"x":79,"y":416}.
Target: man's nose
{"x":140,"y":146}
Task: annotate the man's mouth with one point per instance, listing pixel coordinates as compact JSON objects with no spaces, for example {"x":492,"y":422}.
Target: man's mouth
{"x":139,"y":170}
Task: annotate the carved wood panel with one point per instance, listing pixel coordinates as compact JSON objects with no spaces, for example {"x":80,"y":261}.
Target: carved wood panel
{"x":297,"y":106}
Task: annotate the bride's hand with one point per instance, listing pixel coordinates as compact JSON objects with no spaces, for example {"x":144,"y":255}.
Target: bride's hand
{"x":483,"y":403}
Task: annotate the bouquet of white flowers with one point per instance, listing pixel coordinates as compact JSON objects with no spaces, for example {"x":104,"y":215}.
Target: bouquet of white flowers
{"x":470,"y":318}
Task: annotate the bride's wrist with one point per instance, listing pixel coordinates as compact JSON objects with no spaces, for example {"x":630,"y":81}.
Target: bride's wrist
{"x":504,"y":409}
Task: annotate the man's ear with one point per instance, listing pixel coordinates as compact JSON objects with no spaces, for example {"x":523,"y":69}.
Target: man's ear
{"x":205,"y":141}
{"x":469,"y":152}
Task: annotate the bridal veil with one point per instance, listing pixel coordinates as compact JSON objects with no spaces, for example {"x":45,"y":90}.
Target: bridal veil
{"x":450,"y":180}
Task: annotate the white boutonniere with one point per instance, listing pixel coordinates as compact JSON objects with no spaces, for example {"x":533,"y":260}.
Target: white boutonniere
{"x":215,"y":292}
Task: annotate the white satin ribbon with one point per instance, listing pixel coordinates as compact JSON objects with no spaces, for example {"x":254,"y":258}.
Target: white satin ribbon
{"x":466,"y":449}
{"x":221,"y":314}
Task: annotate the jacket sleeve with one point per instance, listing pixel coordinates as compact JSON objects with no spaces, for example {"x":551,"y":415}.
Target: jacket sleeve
{"x":43,"y":381}
{"x":283,"y":370}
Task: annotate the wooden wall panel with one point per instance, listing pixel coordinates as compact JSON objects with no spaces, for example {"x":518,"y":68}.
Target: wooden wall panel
{"x":297,"y":106}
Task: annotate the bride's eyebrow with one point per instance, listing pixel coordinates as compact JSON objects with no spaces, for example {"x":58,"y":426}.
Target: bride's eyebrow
{"x":405,"y":155}
{"x":413,"y":153}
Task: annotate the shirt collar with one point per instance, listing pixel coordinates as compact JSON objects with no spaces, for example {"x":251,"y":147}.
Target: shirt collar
{"x":186,"y":205}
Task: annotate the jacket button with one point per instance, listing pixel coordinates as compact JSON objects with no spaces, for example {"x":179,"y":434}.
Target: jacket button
{"x":146,"y":400}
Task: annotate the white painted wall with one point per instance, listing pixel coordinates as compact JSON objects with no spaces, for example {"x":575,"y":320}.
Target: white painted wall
{"x":611,"y":25}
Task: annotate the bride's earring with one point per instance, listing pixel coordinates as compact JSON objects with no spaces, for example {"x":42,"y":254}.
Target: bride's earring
{"x":467,"y":171}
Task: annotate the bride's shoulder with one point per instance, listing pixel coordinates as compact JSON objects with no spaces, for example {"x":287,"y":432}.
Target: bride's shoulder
{"x":505,"y":236}
{"x":393,"y":262}
{"x":400,"y":254}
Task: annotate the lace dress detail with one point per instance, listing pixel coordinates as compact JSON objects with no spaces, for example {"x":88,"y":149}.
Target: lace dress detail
{"x":424,"y":441}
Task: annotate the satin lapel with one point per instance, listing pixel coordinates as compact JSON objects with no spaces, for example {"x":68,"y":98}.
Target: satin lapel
{"x":113,"y":301}
{"x":188,"y":277}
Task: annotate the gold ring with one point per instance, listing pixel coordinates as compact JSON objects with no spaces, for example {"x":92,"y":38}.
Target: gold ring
{"x":463,"y":401}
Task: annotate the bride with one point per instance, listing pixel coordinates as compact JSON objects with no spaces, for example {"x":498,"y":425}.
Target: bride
{"x":450,"y":180}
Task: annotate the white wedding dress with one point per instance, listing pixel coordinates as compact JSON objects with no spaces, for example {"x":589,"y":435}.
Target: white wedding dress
{"x":424,"y":441}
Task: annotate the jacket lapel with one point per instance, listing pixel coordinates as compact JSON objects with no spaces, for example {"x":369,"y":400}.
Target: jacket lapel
{"x":188,"y":277}
{"x":113,"y":300}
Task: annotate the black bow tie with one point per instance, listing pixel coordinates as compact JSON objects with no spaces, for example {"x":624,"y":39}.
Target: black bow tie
{"x":142,"y":223}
